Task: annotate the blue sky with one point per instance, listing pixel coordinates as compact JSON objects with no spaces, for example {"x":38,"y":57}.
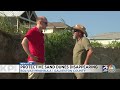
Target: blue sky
{"x":96,"y":22}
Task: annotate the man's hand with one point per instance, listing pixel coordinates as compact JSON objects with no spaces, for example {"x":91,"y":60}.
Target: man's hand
{"x":35,"y":58}
{"x":85,"y":63}
{"x":25,"y":47}
{"x":89,"y":53}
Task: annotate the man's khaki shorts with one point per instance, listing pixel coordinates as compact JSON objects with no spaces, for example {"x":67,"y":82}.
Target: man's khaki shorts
{"x":36,"y":75}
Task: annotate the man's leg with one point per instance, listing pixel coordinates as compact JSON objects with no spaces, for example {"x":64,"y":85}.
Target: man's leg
{"x":78,"y":75}
{"x":33,"y":75}
{"x":36,"y":75}
{"x":41,"y":75}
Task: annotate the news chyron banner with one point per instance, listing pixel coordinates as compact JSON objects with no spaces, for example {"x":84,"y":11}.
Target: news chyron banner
{"x":61,"y":68}
{"x":32,"y":67}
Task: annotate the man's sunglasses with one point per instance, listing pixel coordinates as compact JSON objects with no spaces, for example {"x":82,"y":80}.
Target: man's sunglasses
{"x":76,"y":30}
{"x":46,"y":23}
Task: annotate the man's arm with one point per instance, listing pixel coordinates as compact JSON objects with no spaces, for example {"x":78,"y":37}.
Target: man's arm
{"x":26,"y":49}
{"x":89,"y":54}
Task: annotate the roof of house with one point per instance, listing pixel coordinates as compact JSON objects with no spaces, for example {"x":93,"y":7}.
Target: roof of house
{"x":110,"y":35}
{"x":26,"y":15}
{"x":11,"y":13}
{"x":56,"y":25}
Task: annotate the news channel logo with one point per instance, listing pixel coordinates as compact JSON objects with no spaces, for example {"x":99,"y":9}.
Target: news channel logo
{"x":105,"y":68}
{"x":111,"y":68}
{"x":108,"y":68}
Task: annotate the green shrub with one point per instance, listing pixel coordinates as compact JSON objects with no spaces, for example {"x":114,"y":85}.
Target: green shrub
{"x":22,"y":29}
{"x":96,"y":44}
{"x":57,"y":45}
{"x":114,"y":44}
{"x":8,"y":25}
